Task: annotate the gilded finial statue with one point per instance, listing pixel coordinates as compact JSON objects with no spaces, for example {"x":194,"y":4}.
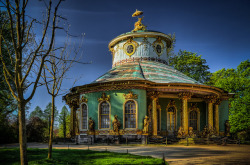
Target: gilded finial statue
{"x":138,"y":24}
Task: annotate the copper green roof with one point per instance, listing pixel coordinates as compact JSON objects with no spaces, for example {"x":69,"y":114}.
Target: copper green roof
{"x":145,"y":70}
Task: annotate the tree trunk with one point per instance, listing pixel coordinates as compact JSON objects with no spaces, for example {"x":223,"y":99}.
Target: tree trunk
{"x":51,"y":127}
{"x":22,"y":133}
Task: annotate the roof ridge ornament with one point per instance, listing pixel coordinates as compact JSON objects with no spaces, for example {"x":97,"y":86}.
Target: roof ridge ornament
{"x":138,"y":24}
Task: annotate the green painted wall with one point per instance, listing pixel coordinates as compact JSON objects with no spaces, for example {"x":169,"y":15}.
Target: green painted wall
{"x":223,"y":114}
{"x":117,"y":100}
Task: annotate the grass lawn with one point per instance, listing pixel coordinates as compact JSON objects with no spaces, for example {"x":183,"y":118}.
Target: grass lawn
{"x":64,"y":156}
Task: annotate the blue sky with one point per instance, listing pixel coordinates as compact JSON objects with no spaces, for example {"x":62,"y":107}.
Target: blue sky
{"x":218,"y":30}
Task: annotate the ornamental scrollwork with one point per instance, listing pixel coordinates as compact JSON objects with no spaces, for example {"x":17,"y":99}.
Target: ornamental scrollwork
{"x":130,"y":95}
{"x":171,"y":107}
{"x":104,"y":97}
{"x":158,"y":46}
{"x":130,"y":47}
{"x":83,"y":100}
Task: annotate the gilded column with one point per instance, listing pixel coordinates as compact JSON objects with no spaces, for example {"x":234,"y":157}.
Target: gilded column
{"x":73,"y":104}
{"x":210,"y":100}
{"x":185,"y":96}
{"x":216,"y":111}
{"x":154,"y":97}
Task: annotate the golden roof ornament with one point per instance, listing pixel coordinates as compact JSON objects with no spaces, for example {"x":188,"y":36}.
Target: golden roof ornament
{"x":138,"y":24}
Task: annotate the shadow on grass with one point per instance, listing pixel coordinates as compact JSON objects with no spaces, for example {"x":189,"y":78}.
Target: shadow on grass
{"x":39,"y":156}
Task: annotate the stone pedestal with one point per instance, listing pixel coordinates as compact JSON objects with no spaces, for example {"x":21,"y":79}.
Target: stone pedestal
{"x":144,"y":139}
{"x":91,"y":139}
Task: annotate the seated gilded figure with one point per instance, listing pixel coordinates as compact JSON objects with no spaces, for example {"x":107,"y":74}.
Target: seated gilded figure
{"x":91,"y":125}
{"x":116,"y":124}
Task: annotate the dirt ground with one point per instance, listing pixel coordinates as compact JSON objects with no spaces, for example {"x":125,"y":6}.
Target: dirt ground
{"x":174,"y":154}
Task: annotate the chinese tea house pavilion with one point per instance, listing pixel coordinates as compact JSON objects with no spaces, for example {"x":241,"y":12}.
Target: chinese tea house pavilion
{"x":142,"y":96}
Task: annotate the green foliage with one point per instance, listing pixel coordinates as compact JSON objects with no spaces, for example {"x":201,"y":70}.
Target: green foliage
{"x":36,"y":129}
{"x":37,"y":113}
{"x":236,"y":81}
{"x":191,"y":65}
{"x":60,"y":156}
{"x":64,"y":122}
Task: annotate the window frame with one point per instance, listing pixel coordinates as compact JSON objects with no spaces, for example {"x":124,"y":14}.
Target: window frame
{"x":198,"y":117}
{"x":99,"y":116}
{"x":82,"y":116}
{"x":136,"y":110}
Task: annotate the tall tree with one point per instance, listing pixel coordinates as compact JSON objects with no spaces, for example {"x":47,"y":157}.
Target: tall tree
{"x":236,"y":81}
{"x":37,"y":113}
{"x":63,"y":122}
{"x":47,"y":115}
{"x":191,"y":65}
{"x":24,"y":61}
{"x":54,"y":73}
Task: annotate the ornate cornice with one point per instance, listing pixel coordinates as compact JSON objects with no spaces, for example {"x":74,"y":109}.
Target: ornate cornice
{"x":185,"y":95}
{"x":83,"y":100}
{"x":104,"y":97}
{"x":130,"y":95}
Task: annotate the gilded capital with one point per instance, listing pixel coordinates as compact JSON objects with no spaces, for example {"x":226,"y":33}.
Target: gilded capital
{"x":154,"y":95}
{"x":217,"y":101}
{"x":130,"y":95}
{"x":185,"y":95}
{"x":104,"y":97}
{"x":210,"y":98}
{"x":73,"y":103}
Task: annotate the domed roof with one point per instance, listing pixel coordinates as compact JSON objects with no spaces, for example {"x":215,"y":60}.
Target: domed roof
{"x":145,"y":70}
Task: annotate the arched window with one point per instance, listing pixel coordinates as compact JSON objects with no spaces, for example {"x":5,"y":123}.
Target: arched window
{"x":171,"y":118}
{"x":130,"y":114}
{"x":193,"y":118}
{"x":84,"y":116}
{"x":104,"y":115}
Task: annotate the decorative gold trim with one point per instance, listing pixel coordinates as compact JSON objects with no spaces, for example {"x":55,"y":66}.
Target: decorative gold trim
{"x":130,"y":42}
{"x":130,"y":95}
{"x":158,"y":41}
{"x":104,"y":97}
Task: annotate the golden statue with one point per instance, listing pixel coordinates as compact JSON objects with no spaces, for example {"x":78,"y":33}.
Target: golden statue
{"x":116,"y":124}
{"x":138,"y":24}
{"x":91,"y":125}
{"x":146,"y":124}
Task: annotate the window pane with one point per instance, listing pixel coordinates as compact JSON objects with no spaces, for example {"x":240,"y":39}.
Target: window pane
{"x":104,"y":115}
{"x":130,"y":114}
{"x":193,"y":117}
{"x":84,"y":116}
